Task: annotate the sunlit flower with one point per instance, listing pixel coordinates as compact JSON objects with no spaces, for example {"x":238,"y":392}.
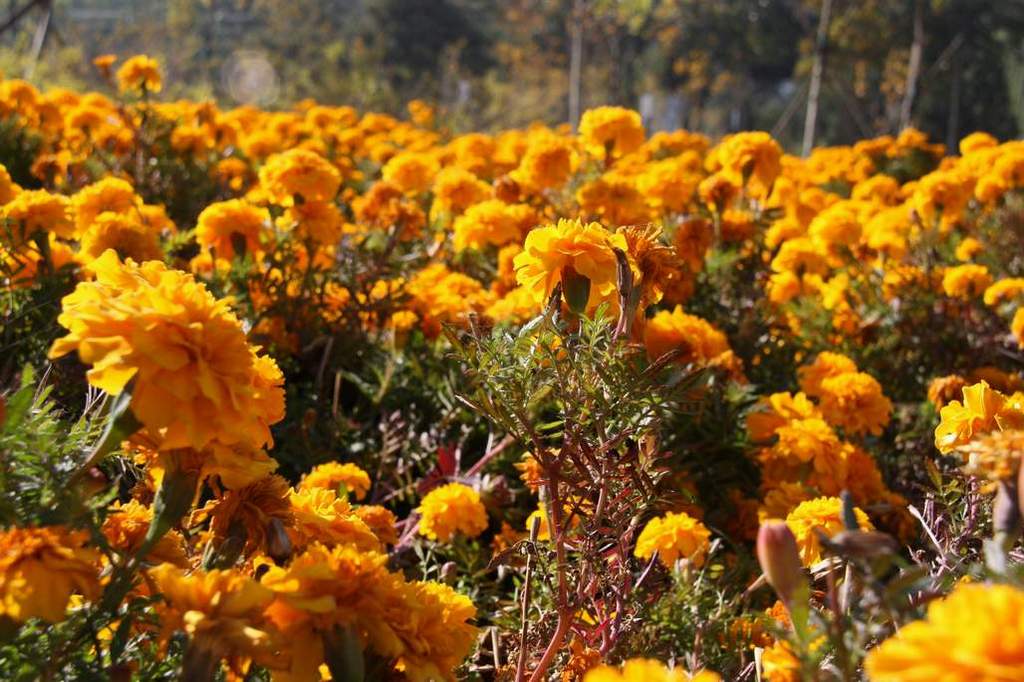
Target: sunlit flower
{"x":673,"y":537}
{"x":452,"y":509}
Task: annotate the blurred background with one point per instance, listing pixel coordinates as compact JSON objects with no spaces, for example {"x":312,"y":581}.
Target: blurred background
{"x":858,"y":68}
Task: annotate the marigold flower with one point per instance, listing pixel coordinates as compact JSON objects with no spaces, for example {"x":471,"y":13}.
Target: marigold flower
{"x":647,"y":670}
{"x":411,"y":172}
{"x":333,"y":475}
{"x":674,"y":536}
{"x":139,"y":73}
{"x":854,"y":402}
{"x":750,"y":157}
{"x":492,"y":222}
{"x":196,"y":379}
{"x":253,"y":508}
{"x":585,"y":249}
{"x":125,"y":529}
{"x":673,"y":330}
{"x":982,"y":410}
{"x":456,"y":189}
{"x":299,"y":172}
{"x":40,"y":568}
{"x":611,"y":131}
{"x":224,"y":226}
{"x":826,"y":364}
{"x":381,"y":521}
{"x":122,"y":233}
{"x":824,"y":514}
{"x":221,"y":611}
{"x":973,"y":634}
{"x":36,"y":210}
{"x":547,"y":163}
{"x":775,"y":411}
{"x":966,"y":281}
{"x":320,"y":516}
{"x":450,"y":509}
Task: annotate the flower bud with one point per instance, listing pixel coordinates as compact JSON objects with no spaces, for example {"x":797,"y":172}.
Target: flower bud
{"x":575,"y":289}
{"x":779,"y":557}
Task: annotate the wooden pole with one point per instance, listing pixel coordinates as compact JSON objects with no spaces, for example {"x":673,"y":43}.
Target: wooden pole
{"x":575,"y":62}
{"x":817,"y":69}
{"x":914,"y":65}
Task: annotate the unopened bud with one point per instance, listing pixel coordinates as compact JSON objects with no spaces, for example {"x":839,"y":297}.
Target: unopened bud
{"x":862,"y":544}
{"x":779,"y":557}
{"x":575,"y":289}
{"x":1006,"y":517}
{"x":449,"y":573}
{"x":279,"y":545}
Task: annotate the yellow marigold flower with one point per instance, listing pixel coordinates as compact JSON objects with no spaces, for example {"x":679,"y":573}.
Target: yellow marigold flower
{"x":381,"y":521}
{"x":224,"y":226}
{"x":456,"y":189}
{"x":139,"y":73}
{"x":966,"y":281}
{"x":982,"y":410}
{"x":996,"y":455}
{"x":826,"y":364}
{"x":668,"y":185}
{"x":614,"y":199}
{"x":421,"y":113}
{"x":975,"y":141}
{"x":8,"y":188}
{"x":775,"y":411}
{"x":124,"y":234}
{"x":450,"y":509}
{"x":299,"y":172}
{"x":36,"y":210}
{"x":196,"y":379}
{"x":942,"y":194}
{"x":126,"y":526}
{"x":112,"y":195}
{"x":673,"y":330}
{"x":611,"y":131}
{"x":473,"y":152}
{"x":333,"y":475}
{"x":220,"y":610}
{"x":718,"y":191}
{"x":1017,"y":326}
{"x":753,"y":159}
{"x":1004,"y":290}
{"x":320,"y":516}
{"x":838,"y":224}
{"x":880,"y":188}
{"x":780,"y":664}
{"x":968,"y":249}
{"x":973,"y":634}
{"x":262,"y":508}
{"x":806,"y":440}
{"x":104,"y":62}
{"x":800,"y":255}
{"x":854,"y":402}
{"x":492,"y":222}
{"x":423,"y":626}
{"x":320,"y":222}
{"x":385,"y":207}
{"x":40,"y":568}
{"x":585,"y":249}
{"x":825,"y":514}
{"x":647,"y":670}
{"x":440,"y":295}
{"x":547,"y":164}
{"x":692,"y":239}
{"x":411,"y":172}
{"x":674,"y":536}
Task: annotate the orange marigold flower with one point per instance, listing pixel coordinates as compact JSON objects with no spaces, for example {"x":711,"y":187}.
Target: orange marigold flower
{"x":824,"y":514}
{"x":674,"y":536}
{"x":40,"y":568}
{"x":140,"y":73}
{"x":973,"y":634}
{"x":450,"y":509}
{"x":334,"y":475}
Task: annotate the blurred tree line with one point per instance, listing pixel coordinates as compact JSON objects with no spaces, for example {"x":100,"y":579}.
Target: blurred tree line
{"x":947,"y":66}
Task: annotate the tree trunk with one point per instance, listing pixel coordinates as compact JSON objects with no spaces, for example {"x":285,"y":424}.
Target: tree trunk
{"x":953,"y":124}
{"x":817,"y":69}
{"x":914,"y":65}
{"x":575,"y":62}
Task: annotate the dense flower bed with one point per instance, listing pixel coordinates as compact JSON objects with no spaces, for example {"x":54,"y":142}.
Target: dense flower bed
{"x":321,"y":394}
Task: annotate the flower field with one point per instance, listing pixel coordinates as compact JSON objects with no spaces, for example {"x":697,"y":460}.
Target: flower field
{"x":330,"y":394}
